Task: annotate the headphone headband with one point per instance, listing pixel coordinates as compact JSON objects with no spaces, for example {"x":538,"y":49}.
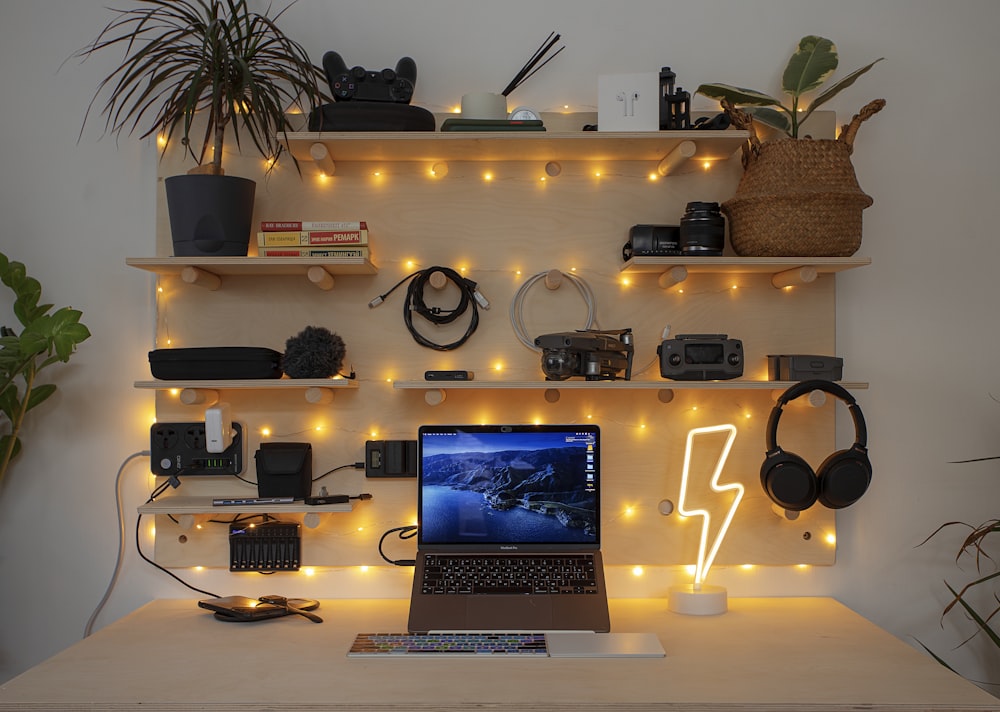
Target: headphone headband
{"x":800,"y":389}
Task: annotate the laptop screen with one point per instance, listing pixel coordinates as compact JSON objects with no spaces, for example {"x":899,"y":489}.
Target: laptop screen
{"x":486,"y":486}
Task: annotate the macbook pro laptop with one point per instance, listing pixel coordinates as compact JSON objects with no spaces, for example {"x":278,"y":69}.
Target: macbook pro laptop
{"x":509,"y":529}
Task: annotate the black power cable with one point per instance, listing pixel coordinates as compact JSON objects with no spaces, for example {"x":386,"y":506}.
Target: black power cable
{"x":469,"y":298}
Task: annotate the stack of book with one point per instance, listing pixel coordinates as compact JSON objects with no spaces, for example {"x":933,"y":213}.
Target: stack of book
{"x":290,"y":238}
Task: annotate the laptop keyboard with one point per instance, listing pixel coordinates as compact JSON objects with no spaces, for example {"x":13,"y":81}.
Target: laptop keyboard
{"x":521,"y":574}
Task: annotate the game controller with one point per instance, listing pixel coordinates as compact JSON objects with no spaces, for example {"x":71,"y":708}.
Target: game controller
{"x":358,"y":84}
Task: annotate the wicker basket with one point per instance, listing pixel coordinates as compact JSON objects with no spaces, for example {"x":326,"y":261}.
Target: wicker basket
{"x":798,"y":197}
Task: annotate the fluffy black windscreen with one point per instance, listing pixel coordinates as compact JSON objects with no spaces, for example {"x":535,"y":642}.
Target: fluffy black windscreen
{"x":314,"y":352}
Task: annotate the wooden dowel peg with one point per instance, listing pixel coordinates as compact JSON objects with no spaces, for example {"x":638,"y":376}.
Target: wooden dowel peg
{"x":322,"y":158}
{"x":201,"y":278}
{"x":199,"y":396}
{"x":440,"y":169}
{"x":319,"y":396}
{"x":672,"y":277}
{"x":311,"y":520}
{"x":794,"y":277}
{"x":320,"y":277}
{"x":684,"y":151}
{"x":783,"y":513}
{"x":665,"y":395}
{"x":437,"y":279}
{"x":552,"y":395}
{"x":553,"y":279}
{"x":434,"y":396}
{"x":553,"y":168}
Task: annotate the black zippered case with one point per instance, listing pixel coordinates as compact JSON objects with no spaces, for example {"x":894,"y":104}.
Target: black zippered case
{"x":215,"y":363}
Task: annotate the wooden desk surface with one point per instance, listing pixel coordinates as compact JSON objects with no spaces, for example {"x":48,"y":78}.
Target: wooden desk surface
{"x":764,"y":654}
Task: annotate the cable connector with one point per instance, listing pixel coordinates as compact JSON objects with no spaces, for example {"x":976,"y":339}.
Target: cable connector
{"x":376,"y":301}
{"x":481,"y":300}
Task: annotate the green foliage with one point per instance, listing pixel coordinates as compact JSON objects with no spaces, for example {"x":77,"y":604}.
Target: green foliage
{"x":812,"y":64}
{"x":46,"y":338}
{"x":975,"y":546}
{"x":216,"y":57}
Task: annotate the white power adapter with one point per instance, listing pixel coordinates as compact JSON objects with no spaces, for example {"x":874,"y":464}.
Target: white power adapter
{"x":218,"y":428}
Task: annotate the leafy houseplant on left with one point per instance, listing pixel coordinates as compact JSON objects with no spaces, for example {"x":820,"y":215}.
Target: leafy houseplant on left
{"x":46,"y":338}
{"x":232,"y":68}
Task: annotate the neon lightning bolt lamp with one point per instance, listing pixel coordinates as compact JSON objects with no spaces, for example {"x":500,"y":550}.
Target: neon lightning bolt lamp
{"x":699,"y":598}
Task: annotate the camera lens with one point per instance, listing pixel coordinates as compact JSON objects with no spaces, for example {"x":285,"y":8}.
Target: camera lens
{"x":702,"y":230}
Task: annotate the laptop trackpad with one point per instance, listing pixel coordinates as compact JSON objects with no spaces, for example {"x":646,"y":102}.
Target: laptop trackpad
{"x":523,"y":613}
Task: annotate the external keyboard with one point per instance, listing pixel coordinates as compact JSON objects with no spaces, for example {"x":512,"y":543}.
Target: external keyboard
{"x":456,"y":644}
{"x":458,"y":574}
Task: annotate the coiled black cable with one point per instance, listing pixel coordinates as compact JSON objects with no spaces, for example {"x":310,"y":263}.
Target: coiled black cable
{"x":469,"y":297}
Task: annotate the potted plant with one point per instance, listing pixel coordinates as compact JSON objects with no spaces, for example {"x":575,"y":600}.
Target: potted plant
{"x":798,"y":196}
{"x":46,"y":338}
{"x":980,"y":547}
{"x":223,"y":63}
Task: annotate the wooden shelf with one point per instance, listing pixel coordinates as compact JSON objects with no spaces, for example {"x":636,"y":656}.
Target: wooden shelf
{"x":317,"y":390}
{"x":203,"y":505}
{"x":434,"y":393}
{"x":668,"y":149}
{"x":208,"y":271}
{"x":734,"y":384}
{"x":252,"y":384}
{"x":785,"y":271}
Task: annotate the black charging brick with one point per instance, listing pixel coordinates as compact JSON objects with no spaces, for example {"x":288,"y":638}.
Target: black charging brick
{"x":271,"y":546}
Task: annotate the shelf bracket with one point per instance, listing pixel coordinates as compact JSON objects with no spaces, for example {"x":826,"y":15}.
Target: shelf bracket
{"x":672,"y":277}
{"x":319,"y":396}
{"x":794,"y":277}
{"x":199,"y":396}
{"x":680,"y":155}
{"x":201,"y":278}
{"x":322,"y":158}
{"x":435,"y":396}
{"x":320,"y":277}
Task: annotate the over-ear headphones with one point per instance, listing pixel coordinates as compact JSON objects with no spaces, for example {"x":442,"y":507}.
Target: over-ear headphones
{"x":840,"y":480}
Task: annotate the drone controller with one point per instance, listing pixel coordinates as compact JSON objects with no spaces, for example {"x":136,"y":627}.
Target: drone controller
{"x":359,"y":84}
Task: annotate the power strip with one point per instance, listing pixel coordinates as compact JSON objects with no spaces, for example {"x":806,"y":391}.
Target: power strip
{"x":179,"y":449}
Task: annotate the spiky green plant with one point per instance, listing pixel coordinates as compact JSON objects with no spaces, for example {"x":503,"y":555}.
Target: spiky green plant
{"x":808,"y":69}
{"x":211,"y":57}
{"x":45,"y":339}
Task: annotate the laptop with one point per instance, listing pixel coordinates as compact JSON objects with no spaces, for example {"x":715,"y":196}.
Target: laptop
{"x":521,"y":502}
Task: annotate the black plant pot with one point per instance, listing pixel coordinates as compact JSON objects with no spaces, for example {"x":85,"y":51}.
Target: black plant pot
{"x":210,"y":216}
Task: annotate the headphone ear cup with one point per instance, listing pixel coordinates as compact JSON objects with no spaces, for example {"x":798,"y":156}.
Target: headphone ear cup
{"x":844,"y":477}
{"x":789,"y":481}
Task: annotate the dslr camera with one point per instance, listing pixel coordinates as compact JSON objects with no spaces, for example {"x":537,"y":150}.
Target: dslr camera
{"x":701,"y":357}
{"x":595,"y":355}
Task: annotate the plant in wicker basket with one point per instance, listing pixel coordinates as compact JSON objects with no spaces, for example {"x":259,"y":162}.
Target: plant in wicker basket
{"x":797,"y":197}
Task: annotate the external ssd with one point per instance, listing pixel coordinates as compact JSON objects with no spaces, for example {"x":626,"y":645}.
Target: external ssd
{"x":448,"y":375}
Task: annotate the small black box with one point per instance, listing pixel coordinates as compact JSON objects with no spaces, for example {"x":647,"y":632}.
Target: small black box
{"x":804,"y":367}
{"x":284,"y":470}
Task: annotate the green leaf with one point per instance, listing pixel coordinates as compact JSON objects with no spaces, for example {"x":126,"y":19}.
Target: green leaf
{"x":838,"y":87}
{"x":8,"y":401}
{"x":32,"y":342}
{"x":768,"y":116}
{"x":39,"y":394}
{"x":983,"y":625}
{"x":737,"y":95}
{"x":810,"y":66}
{"x":4,"y":440}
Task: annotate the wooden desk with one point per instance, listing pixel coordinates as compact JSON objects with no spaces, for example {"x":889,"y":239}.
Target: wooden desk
{"x":764,"y":654}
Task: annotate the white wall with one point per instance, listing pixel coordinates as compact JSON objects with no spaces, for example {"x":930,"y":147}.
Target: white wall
{"x":918,"y":324}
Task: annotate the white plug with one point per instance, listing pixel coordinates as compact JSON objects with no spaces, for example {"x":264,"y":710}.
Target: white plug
{"x":218,"y":428}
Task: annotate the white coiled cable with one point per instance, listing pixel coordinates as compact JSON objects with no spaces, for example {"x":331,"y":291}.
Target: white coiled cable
{"x":517,"y":305}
